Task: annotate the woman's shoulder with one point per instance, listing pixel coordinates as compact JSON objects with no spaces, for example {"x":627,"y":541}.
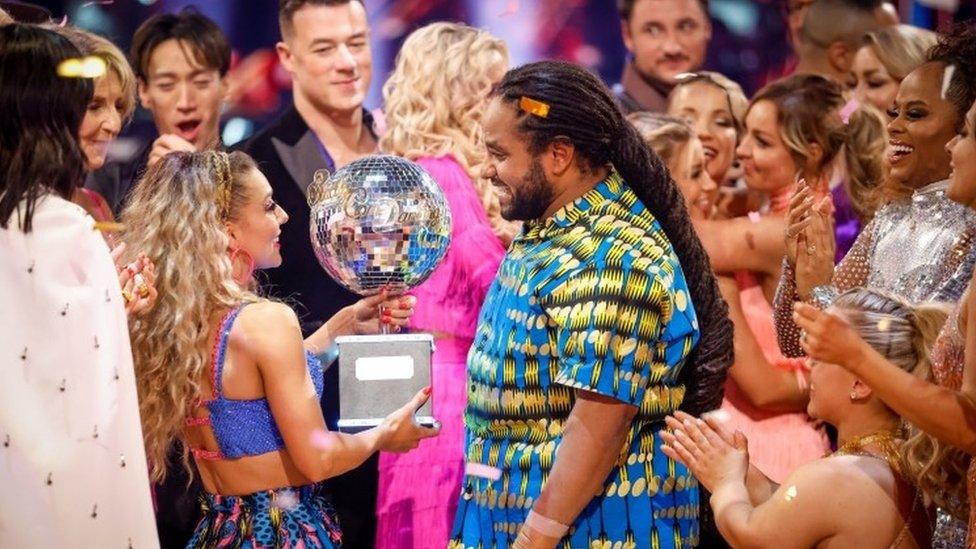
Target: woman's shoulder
{"x":842,"y":475}
{"x":265,"y":329}
{"x":265,"y":315}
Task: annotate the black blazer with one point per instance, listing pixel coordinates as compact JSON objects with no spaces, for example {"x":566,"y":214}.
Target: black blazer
{"x":288,"y":154}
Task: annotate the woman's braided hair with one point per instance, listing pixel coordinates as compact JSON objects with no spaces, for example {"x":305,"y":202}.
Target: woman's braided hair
{"x":582,"y":110}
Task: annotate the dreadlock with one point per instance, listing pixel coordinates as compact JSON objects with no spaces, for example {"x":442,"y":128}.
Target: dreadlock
{"x":582,"y":110}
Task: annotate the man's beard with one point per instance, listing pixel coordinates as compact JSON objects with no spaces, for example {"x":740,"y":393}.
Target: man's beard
{"x":532,"y":198}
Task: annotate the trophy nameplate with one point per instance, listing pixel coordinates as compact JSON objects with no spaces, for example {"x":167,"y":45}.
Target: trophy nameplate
{"x":378,"y":374}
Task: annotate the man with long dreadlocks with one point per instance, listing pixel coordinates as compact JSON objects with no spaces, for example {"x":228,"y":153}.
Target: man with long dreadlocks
{"x":584,"y":335}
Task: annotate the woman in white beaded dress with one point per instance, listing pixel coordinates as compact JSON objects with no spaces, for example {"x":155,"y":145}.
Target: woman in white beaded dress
{"x":72,"y":465}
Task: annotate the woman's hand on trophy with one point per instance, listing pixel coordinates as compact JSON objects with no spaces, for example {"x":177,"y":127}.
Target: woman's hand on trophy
{"x":401,"y":432}
{"x":372,"y":313}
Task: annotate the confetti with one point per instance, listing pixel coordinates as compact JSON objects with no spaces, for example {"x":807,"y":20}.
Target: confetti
{"x":884,"y":324}
{"x":82,"y":67}
{"x":947,"y":79}
{"x":286,"y":500}
{"x":790,"y":493}
{"x":108,"y":226}
{"x":720,"y":416}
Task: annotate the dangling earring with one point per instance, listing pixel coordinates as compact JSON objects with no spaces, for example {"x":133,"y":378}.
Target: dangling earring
{"x":853,"y":394}
{"x":245,"y":277}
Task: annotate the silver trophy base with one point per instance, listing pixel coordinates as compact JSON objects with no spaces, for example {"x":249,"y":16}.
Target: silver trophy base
{"x":378,"y":374}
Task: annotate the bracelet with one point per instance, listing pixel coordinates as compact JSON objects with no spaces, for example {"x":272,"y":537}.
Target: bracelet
{"x":545,"y":525}
{"x":823,"y":296}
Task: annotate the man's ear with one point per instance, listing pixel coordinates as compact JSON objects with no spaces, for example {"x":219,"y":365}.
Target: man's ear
{"x":840,"y":57}
{"x":559,"y":156}
{"x":285,"y":56}
{"x":143,"y":90}
{"x":625,"y":33}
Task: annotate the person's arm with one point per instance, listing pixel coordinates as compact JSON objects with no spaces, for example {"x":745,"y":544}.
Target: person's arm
{"x":366,"y":316}
{"x":799,"y":513}
{"x":944,"y":413}
{"x":743,"y":244}
{"x":271,"y":336}
{"x":593,"y":437}
{"x":766,"y":386}
{"x":707,"y":465}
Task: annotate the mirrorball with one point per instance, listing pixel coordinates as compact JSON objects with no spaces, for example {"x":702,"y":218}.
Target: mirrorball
{"x":379,"y":222}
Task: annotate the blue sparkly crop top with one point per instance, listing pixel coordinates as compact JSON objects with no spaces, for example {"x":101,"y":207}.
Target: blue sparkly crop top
{"x":242,"y":427}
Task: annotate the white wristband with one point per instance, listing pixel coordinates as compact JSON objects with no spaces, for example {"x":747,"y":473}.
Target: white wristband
{"x":545,"y":525}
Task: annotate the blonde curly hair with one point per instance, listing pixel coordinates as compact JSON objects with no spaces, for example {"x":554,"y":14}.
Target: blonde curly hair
{"x":176,"y":217}
{"x":435,"y":98}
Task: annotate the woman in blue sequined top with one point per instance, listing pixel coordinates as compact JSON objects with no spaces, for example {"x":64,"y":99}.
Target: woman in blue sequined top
{"x":227,"y":372}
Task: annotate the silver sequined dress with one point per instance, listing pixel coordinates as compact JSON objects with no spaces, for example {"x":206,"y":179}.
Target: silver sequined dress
{"x":920,"y":248}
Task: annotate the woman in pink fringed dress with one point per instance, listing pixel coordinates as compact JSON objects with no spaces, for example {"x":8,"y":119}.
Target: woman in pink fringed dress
{"x":434,"y":100}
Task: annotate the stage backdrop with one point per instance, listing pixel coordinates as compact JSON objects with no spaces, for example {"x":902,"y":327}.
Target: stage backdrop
{"x":749,"y":42}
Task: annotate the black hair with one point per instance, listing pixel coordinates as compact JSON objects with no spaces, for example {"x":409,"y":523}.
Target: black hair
{"x":287,"y":9}
{"x":582,"y":110}
{"x":957,"y":48}
{"x":40,"y":120}
{"x":626,"y":8}
{"x":208,"y":44}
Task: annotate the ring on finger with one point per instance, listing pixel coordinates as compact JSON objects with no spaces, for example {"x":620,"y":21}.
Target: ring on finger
{"x":127,"y":296}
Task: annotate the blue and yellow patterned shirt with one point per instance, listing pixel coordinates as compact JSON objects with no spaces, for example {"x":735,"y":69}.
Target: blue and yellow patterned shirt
{"x":591,"y":299}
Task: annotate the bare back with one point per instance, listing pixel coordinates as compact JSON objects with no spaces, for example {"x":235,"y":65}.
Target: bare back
{"x":242,"y":380}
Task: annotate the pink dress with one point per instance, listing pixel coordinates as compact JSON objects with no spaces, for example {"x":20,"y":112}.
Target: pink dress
{"x":418,"y":491}
{"x":778,"y":442}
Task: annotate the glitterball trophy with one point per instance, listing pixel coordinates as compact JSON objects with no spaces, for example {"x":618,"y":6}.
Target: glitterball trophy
{"x":380,"y":222}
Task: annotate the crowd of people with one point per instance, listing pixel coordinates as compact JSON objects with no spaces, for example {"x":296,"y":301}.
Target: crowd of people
{"x":670,"y":315}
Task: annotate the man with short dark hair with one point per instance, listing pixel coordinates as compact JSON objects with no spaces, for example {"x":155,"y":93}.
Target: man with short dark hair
{"x":181,"y":62}
{"x":325,"y":47}
{"x":665,"y":38}
{"x":831,"y":33}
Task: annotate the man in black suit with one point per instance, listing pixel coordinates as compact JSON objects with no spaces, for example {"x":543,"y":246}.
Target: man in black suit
{"x":325,"y":48}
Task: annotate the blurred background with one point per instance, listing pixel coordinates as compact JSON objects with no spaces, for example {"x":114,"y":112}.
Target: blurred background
{"x":749,"y":41}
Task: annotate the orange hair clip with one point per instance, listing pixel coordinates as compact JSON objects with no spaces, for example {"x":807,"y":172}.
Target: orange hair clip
{"x":532,"y":106}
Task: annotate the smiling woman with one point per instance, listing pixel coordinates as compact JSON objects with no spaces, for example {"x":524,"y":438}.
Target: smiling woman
{"x":920,"y":244}
{"x":885,"y":59}
{"x":111,"y":107}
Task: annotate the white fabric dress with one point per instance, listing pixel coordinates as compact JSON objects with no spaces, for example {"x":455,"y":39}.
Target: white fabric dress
{"x":72,"y":466}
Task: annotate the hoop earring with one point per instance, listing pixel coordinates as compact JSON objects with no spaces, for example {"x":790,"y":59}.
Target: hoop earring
{"x":244,"y":278}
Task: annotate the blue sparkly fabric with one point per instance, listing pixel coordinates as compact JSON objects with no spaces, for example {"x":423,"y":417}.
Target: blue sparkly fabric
{"x":246,"y":427}
{"x":284,"y":517}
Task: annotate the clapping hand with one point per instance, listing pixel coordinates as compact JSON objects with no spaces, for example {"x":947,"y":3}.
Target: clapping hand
{"x":712,"y":454}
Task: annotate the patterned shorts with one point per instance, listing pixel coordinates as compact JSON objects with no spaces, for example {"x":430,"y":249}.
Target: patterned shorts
{"x":284,"y":517}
